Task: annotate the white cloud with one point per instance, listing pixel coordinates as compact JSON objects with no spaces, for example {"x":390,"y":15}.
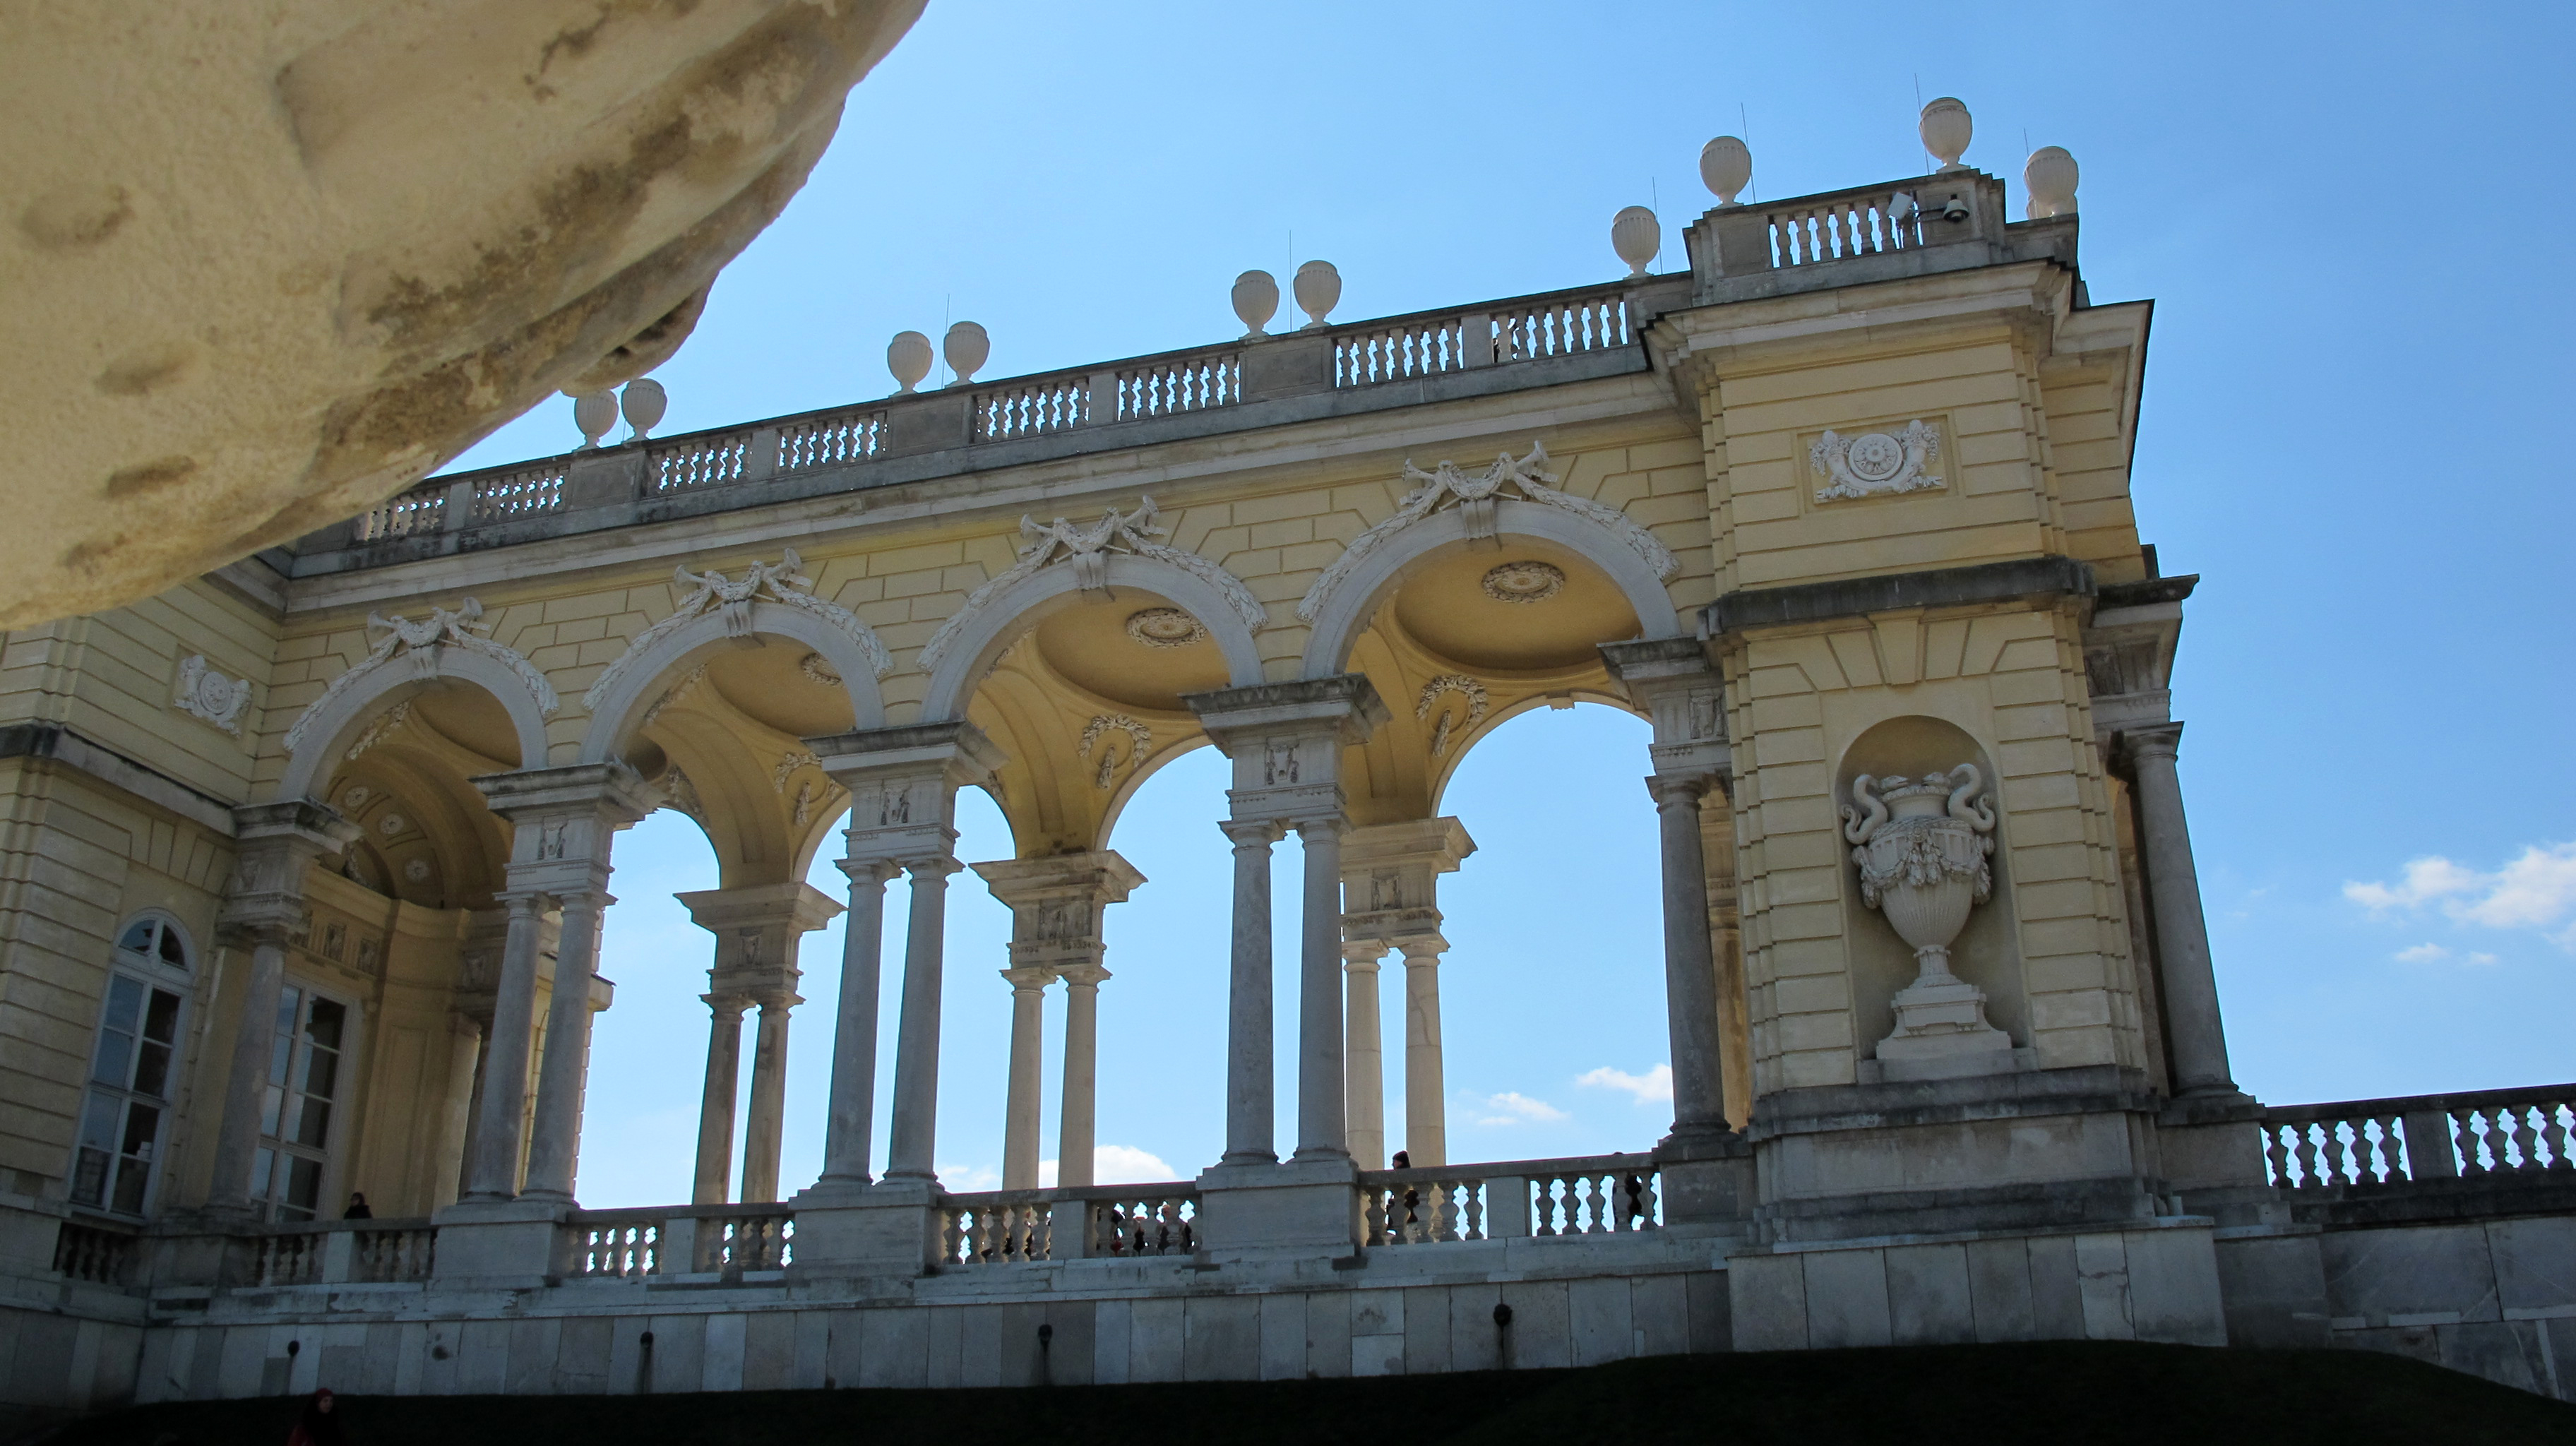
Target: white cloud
{"x":2422,"y":954}
{"x":967,"y":1179}
{"x":2479,"y":959}
{"x":2536,"y":890}
{"x":1512,"y":1108}
{"x":1117,"y":1165}
{"x":1654,"y":1087}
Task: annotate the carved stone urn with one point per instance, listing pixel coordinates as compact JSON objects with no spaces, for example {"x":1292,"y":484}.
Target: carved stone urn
{"x":1922,"y":847}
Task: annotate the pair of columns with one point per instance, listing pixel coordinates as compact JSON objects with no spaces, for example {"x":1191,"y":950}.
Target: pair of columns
{"x":1390,"y":879}
{"x":757,"y":930}
{"x":1057,"y":906}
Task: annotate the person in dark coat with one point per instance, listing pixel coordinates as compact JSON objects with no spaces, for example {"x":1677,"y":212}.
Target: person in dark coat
{"x":357,"y":1208}
{"x":319,"y":1425}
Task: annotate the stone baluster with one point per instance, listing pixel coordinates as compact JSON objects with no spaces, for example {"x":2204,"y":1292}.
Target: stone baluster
{"x":562,"y":823}
{"x":1058,"y":908}
{"x":263,"y":911}
{"x":2182,"y":931}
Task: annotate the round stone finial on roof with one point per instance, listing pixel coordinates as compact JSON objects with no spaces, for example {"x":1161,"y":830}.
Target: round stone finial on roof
{"x":1946,"y":128}
{"x":1319,"y":289}
{"x":1636,"y":235}
{"x":2051,"y":176}
{"x":967,"y":347}
{"x":1726,"y":168}
{"x":594,"y":413}
{"x":908,"y":356}
{"x":643,"y":402}
{"x":1256,"y":300}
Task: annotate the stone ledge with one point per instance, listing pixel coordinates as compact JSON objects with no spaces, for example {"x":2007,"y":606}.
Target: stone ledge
{"x":1985,"y":582}
{"x":1820,"y":1109}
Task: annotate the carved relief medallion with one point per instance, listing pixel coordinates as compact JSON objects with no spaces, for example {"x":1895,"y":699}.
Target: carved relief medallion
{"x":211,"y":696}
{"x":1165,"y":628}
{"x":1524,"y":582}
{"x":1876,"y":463}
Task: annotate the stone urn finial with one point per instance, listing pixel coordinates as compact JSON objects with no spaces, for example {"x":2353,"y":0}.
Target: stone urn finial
{"x":1319,"y":289}
{"x":1636,"y":235}
{"x":643,"y":401}
{"x":1946,"y":128}
{"x":1726,"y":168}
{"x":595,"y":413}
{"x":2051,"y":175}
{"x":1922,"y":846}
{"x":967,"y":347}
{"x":1256,"y":300}
{"x":908,"y":357}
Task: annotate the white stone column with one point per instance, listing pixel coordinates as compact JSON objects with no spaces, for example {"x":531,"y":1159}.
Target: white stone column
{"x":1363,"y":1053}
{"x":1251,"y":1099}
{"x":1322,"y":1126}
{"x":500,"y":1118}
{"x":1059,"y":904}
{"x":446,"y":1165}
{"x":262,"y":911}
{"x":1028,"y":1063}
{"x":849,"y":1125}
{"x":1690,"y":973}
{"x":2192,"y":1018}
{"x":713,"y":1182}
{"x":1391,"y":883}
{"x":916,"y":1062}
{"x":555,"y":1141}
{"x":764,"y":1133}
{"x":1426,"y":1123}
{"x":1076,"y":1134}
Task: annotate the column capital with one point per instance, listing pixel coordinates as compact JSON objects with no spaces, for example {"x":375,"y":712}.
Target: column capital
{"x":1286,"y":741}
{"x":1673,"y":789}
{"x":277,"y":844}
{"x":2160,"y":741}
{"x":903,"y":785}
{"x":562,"y":821}
{"x":1681,"y":692}
{"x":1083,"y":976}
{"x":1028,"y":978}
{"x":1361,"y":956}
{"x":1252,"y":833}
{"x":781,"y":1000}
{"x":727,"y":1002}
{"x":1057,"y":903}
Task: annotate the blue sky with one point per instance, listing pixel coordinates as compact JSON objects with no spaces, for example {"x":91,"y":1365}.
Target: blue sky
{"x":2355,"y":430}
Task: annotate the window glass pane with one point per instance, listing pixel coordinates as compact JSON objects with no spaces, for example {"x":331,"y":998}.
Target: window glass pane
{"x":280,"y":1050}
{"x":98,"y":1125}
{"x":314,"y":1128}
{"x":272,"y":1101}
{"x":161,"y":1020}
{"x":173,"y":952}
{"x":138,"y":937}
{"x":262,"y":1166}
{"x":327,"y":1020}
{"x":303,"y":1186}
{"x":152,"y":1070}
{"x":124,"y":1002}
{"x":115,"y":1057}
{"x":89,"y":1176}
{"x":142,"y":1122}
{"x":132,"y":1177}
{"x":322,"y":1073}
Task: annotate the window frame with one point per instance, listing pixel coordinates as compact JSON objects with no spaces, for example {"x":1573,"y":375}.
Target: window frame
{"x":269,"y":1194}
{"x":154,"y":976}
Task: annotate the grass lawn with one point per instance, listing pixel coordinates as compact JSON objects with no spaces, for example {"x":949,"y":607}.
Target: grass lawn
{"x":2061,"y":1393}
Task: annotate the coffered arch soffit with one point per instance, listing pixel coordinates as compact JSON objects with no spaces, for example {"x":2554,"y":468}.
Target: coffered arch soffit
{"x":988,"y":626}
{"x":627,"y":690}
{"x":362,"y":697}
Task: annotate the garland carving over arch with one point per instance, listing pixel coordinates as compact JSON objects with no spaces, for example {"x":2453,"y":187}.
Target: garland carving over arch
{"x":776,"y":582}
{"x":1446,"y":486}
{"x":418,"y":644}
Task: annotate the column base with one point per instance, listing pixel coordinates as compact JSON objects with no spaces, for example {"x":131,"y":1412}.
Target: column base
{"x":498,"y":1244}
{"x":890,"y":1228}
{"x":1305,"y":1208}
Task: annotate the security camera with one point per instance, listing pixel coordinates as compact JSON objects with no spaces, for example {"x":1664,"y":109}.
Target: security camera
{"x":1954,"y":209}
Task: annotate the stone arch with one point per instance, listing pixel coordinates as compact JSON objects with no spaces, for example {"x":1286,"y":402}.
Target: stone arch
{"x":1002,"y":619}
{"x":1345,"y":612}
{"x":1136,"y":779}
{"x":337,"y":718}
{"x":637,"y":677}
{"x":1445,"y":769}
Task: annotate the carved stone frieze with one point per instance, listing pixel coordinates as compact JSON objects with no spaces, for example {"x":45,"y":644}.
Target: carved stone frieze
{"x":417,"y":643}
{"x":1105,"y":771}
{"x":782,"y":582}
{"x":1466,"y":688}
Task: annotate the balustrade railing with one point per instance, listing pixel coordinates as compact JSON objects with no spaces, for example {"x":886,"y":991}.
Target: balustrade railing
{"x":734,"y":1243}
{"x":1003,"y":1227}
{"x":1168,"y":385}
{"x":1840,"y":227}
{"x":290,"y":1257}
{"x":1032,"y":408}
{"x":1420,"y":1207}
{"x":525,"y":492}
{"x":409,"y":515}
{"x":998,"y":1227}
{"x":2497,"y":1134}
{"x":688,"y":1240}
{"x":616,"y":1245}
{"x":336,"y":1252}
{"x":1606,"y":1195}
{"x":1413,"y":347}
{"x":93,"y":1254}
{"x":1134,"y":1220}
{"x":1561,"y":327}
{"x":831,"y":441}
{"x":393,"y":1255}
{"x":700,"y":462}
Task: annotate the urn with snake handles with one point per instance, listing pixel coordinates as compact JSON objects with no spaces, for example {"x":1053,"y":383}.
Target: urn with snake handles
{"x":1922,"y":846}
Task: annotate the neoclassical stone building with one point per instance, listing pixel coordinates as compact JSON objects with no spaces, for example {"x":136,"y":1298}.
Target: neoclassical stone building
{"x":307,"y":862}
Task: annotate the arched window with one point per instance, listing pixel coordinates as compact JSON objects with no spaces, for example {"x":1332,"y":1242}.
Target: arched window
{"x":299,"y":1102}
{"x":125,"y":1114}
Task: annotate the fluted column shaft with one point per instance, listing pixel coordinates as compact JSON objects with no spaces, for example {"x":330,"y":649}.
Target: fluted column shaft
{"x":1322,"y":1128}
{"x":497,"y":1123}
{"x":555,"y":1146}
{"x":848,"y":1129}
{"x":456,"y":1114}
{"x":763,"y":1133}
{"x":1250,"y":1098}
{"x":714,"y":1179}
{"x":237,"y":1138}
{"x":1028,"y":1062}
{"x":1075,"y":1138}
{"x":916,"y":1062}
{"x":1690,"y":969}
{"x":1426,"y":1123}
{"x":2192,"y":1018}
{"x":1364,"y":1055}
